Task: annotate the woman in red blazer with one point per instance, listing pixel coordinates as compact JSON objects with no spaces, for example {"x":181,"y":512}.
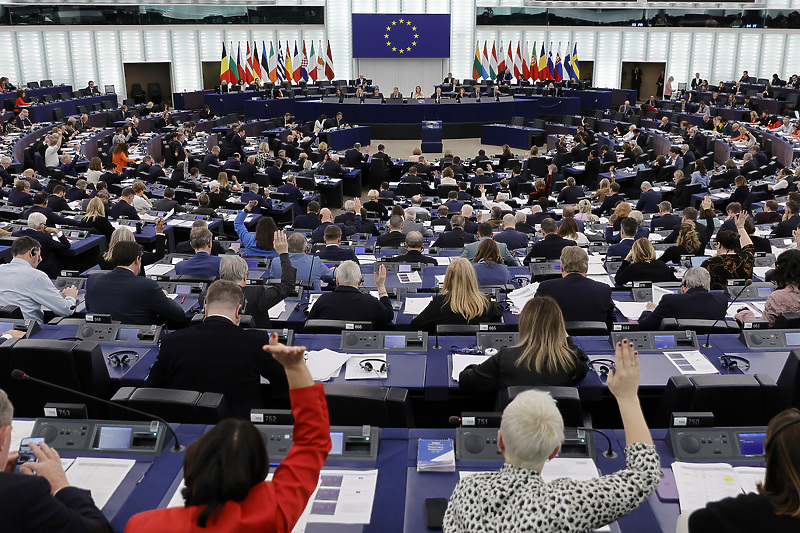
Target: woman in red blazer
{"x":20,"y":102}
{"x":241,"y":501}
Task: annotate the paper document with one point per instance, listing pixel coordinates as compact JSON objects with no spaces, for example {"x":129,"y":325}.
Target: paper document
{"x":343,"y":497}
{"x":596,"y":269}
{"x":366,"y":259}
{"x":415,"y":306}
{"x":602,"y":279}
{"x":749,"y":477}
{"x":462,"y":361}
{"x":277,"y":310}
{"x":519,"y":297}
{"x":325,"y":364}
{"x":66,"y":463}
{"x":576,"y":469}
{"x":631,"y":310}
{"x":656,"y":237}
{"x":443,"y":261}
{"x":354,"y":370}
{"x":756,"y":307}
{"x":701,"y":483}
{"x":761,"y":272}
{"x":20,"y":429}
{"x":658,"y":293}
{"x":409,"y":277}
{"x":159,"y":269}
{"x":99,"y":475}
{"x":690,"y":363}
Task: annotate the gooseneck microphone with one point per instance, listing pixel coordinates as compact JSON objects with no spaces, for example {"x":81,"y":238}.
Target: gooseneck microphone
{"x":746,"y":284}
{"x":609,"y":453}
{"x":22,"y":376}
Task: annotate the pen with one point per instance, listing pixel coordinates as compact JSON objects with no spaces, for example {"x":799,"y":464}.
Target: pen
{"x":144,"y":473}
{"x":183,"y":299}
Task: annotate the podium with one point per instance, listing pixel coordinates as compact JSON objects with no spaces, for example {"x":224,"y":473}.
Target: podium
{"x":432,"y":136}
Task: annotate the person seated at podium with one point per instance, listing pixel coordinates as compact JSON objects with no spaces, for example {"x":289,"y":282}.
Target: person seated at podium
{"x":414,"y":243}
{"x":332,"y":250}
{"x":202,"y":263}
{"x":693,"y":302}
{"x":735,"y":256}
{"x":544,"y":355}
{"x":775,"y":507}
{"x":224,"y":470}
{"x":460,"y":301}
{"x":640,"y":265}
{"x":785,"y":298}
{"x":105,"y":260}
{"x":516,"y":498}
{"x":260,"y":242}
{"x":488,"y":264}
{"x":39,"y":497}
{"x":348,"y":303}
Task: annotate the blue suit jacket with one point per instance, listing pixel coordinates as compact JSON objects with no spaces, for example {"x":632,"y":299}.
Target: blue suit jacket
{"x":337,"y":253}
{"x":202,"y":264}
{"x":648,"y":201}
{"x":266,"y":203}
{"x":695,"y":303}
{"x":621,"y":249}
{"x":580,"y":298}
{"x":512,"y":238}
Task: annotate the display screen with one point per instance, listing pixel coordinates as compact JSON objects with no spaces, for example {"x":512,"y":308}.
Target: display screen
{"x":697,"y":260}
{"x":183,"y":289}
{"x":404,"y":268}
{"x":5,"y":326}
{"x":557,"y":267}
{"x":664,"y":341}
{"x":752,"y":443}
{"x":128,"y":334}
{"x":763,"y":292}
{"x":252,"y":263}
{"x":394,"y":341}
{"x":337,"y":443}
{"x":113,"y":438}
{"x":792,"y":339}
{"x":360,"y":250}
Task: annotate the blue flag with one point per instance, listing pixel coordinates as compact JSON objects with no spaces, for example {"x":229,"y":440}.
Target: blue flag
{"x":401,"y":35}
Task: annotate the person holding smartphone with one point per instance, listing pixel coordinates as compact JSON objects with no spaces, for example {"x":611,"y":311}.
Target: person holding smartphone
{"x":39,"y":497}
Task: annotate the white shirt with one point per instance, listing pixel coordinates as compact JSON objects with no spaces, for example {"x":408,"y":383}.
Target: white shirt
{"x":30,"y":289}
{"x":140,"y":203}
{"x":51,"y":156}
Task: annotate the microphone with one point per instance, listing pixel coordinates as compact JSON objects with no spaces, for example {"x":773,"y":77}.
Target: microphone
{"x":22,"y":376}
{"x":609,"y":453}
{"x":310,"y":269}
{"x":746,"y":284}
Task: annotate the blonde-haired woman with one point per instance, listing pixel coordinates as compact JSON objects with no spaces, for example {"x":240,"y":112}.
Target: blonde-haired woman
{"x":641,"y":265}
{"x":603,"y":190}
{"x":692,"y":238}
{"x":679,"y":195}
{"x":584,"y":213}
{"x":94,"y":171}
{"x":140,"y":200}
{"x":544,"y":354}
{"x":123,"y":233}
{"x":96,"y":220}
{"x":226,"y":185}
{"x":263,"y":155}
{"x":372,"y":204}
{"x":460,"y":301}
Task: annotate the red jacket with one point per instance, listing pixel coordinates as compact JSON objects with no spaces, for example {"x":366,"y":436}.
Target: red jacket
{"x":272,"y":506}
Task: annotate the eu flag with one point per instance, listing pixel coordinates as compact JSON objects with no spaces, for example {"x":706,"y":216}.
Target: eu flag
{"x":401,"y":35}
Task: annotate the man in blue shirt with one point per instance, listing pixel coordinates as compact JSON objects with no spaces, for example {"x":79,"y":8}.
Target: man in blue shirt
{"x":203,"y":263}
{"x":309,"y":267}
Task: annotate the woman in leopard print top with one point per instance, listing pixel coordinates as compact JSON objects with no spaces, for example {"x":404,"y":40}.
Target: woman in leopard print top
{"x":516,"y":499}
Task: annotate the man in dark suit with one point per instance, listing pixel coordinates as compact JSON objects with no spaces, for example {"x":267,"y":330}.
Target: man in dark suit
{"x":694,"y":302}
{"x":252,"y":194}
{"x":481,"y":156}
{"x":385,"y":192}
{"x":332,"y":250}
{"x":349,"y":216}
{"x":759,"y":156}
{"x":310,"y":220}
{"x":628,"y":228}
{"x":79,"y":192}
{"x":211,"y":158}
{"x":275,"y":173}
{"x":291,"y":189}
{"x":458,"y":169}
{"x":238,"y":143}
{"x":157,"y":170}
{"x":53,"y":218}
{"x":326,"y":219}
{"x":412,"y":177}
{"x":234,"y":162}
{"x":551,"y":246}
{"x":168,"y":203}
{"x":144,"y":167}
{"x":335,"y":122}
{"x":610,"y":201}
{"x":40,"y":498}
{"x":202,"y":263}
{"x":666,"y":219}
{"x":52,"y":250}
{"x":790,"y":221}
{"x":129,"y":297}
{"x":441,"y":222}
{"x":463,"y":194}
{"x":348,"y":303}
{"x":571,"y":193}
{"x":456,"y":237}
{"x":608,"y":155}
{"x":395,"y":236}
{"x":354,"y":158}
{"x":453,"y":204}
{"x":219,"y":356}
{"x":512,"y":238}
{"x":248,"y":170}
{"x":382,"y":155}
{"x":538,"y":214}
{"x":580,"y":298}
{"x":331,"y":167}
{"x":414,"y":243}
{"x":56,"y":201}
{"x":749,"y":164}
{"x":522,"y":225}
{"x":591,"y":170}
{"x":649,"y":199}
{"x":124,"y":206}
{"x":20,"y":195}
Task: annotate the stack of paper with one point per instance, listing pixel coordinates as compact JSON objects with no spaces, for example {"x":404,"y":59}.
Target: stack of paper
{"x":701,"y":483}
{"x":277,"y":310}
{"x":325,"y":364}
{"x":415,"y":306}
{"x":158,"y":269}
{"x":366,"y":259}
{"x":659,"y":293}
{"x":443,"y":260}
{"x":519,"y":297}
{"x":436,"y":455}
{"x":462,"y":361}
{"x":409,"y":277}
{"x":631,"y":310}
{"x":757,"y":308}
{"x":99,"y":475}
{"x":691,"y":363}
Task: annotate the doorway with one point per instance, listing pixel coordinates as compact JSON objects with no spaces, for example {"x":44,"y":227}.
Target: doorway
{"x":650,"y":74}
{"x":155,"y":79}
{"x":210,"y":74}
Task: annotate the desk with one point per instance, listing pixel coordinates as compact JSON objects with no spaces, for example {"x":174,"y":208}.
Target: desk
{"x":190,"y":100}
{"x":514,"y":136}
{"x":345,"y":138}
{"x":39,"y":93}
{"x":44,"y":112}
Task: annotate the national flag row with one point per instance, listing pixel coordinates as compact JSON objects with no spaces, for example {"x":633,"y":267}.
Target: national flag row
{"x":523,"y":65}
{"x":281,"y":64}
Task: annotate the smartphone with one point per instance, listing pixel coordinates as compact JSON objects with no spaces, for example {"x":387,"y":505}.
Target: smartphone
{"x":25,"y":453}
{"x":434,"y":512}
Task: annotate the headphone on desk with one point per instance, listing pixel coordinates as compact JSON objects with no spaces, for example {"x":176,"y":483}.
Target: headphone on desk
{"x":122,"y":357}
{"x":367,"y":366}
{"x":604,"y":365}
{"x":732,"y":362}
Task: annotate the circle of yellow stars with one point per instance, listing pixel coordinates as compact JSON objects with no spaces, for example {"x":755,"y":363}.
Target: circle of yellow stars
{"x":389,"y":31}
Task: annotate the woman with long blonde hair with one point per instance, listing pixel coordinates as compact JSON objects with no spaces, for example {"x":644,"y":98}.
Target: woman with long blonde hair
{"x":96,"y":220}
{"x":124,"y":233}
{"x":460,"y":301}
{"x":641,"y":265}
{"x":544,"y":354}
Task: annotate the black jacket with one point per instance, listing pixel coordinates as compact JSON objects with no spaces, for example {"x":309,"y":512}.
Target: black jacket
{"x":655,"y":271}
{"x":571,"y":195}
{"x":580,"y":298}
{"x":307,"y":221}
{"x":218,"y":356}
{"x":348,"y":303}
{"x":98,"y":225}
{"x":455,"y":238}
{"x":412,"y":256}
{"x":439,"y":312}
{"x":337,"y":253}
{"x":52,"y":250}
{"x":131,"y":299}
{"x":550,"y":248}
{"x":391,"y":239}
{"x":695,"y":303}
{"x":668,"y":221}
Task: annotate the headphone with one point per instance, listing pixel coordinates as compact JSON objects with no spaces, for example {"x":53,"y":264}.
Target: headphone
{"x":605,"y":365}
{"x":366,"y":365}
{"x":732,"y":362}
{"x":121,"y":357}
{"x":469,"y":350}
